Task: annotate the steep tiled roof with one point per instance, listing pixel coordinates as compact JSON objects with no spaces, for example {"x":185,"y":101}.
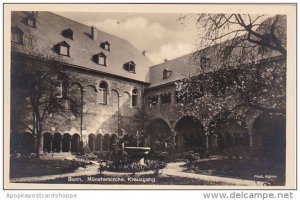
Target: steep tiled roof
{"x":190,"y":65}
{"x":48,"y":33}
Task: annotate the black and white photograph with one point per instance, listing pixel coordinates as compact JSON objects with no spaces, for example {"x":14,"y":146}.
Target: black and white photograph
{"x":151,"y":96}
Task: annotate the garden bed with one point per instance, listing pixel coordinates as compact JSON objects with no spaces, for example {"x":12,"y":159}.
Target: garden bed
{"x":29,"y":167}
{"x":132,"y":167}
{"x":249,"y":169}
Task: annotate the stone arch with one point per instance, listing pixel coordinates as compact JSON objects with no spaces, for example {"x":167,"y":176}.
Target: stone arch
{"x":158,"y":132}
{"x":47,"y":142}
{"x":114,"y":100}
{"x":91,"y":87}
{"x":66,"y":142}
{"x":57,"y":142}
{"x":91,"y":141}
{"x":98,"y":142}
{"x":227,"y":130}
{"x":75,"y":143}
{"x":105,"y":142}
{"x":269,"y":132}
{"x":125,"y":99}
{"x":190,"y":135}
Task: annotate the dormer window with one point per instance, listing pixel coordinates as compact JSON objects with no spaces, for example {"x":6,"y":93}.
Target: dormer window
{"x":130,"y":67}
{"x":63,"y":48}
{"x":68,"y":33}
{"x":100,"y":59}
{"x":31,"y":21}
{"x":17,"y":35}
{"x":166,"y":73}
{"x":105,"y":45}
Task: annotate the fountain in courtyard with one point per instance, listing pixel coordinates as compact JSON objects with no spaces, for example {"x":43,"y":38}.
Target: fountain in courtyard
{"x":138,"y":153}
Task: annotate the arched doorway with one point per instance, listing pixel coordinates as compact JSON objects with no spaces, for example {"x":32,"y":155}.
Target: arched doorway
{"x":91,"y":141}
{"x":158,"y":133}
{"x":66,"y":142}
{"x":47,"y":142}
{"x":227,"y":130}
{"x":189,"y":135}
{"x":75,"y":143}
{"x":98,"y":142}
{"x":269,"y":132}
{"x":57,"y":142}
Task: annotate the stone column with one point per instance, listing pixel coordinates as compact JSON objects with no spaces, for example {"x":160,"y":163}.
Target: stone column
{"x":60,"y":146}
{"x":159,"y":98}
{"x":94,"y":144}
{"x":41,"y":147}
{"x":70,"y":146}
{"x":207,"y":143}
{"x":51,"y":151}
{"x":174,"y":139}
{"x":250,"y":134}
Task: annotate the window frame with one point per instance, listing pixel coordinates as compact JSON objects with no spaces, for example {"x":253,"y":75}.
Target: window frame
{"x":102,"y":56}
{"x":134,"y":97}
{"x":59,"y":46}
{"x":31,"y":19}
{"x":104,"y":93}
{"x":16,"y":31}
{"x":130,"y":67}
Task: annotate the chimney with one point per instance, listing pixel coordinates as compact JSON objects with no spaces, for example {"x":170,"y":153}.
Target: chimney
{"x":165,"y":60}
{"x":94,"y":33}
{"x":144,"y":53}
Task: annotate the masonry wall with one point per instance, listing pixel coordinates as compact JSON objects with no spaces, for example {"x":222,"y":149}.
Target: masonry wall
{"x":117,"y":117}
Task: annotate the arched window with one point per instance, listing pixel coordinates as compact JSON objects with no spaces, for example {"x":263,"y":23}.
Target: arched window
{"x":62,"y":86}
{"x":102,"y":97}
{"x":134,"y":97}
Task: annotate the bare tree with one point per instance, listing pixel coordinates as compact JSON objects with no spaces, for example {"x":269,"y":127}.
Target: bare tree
{"x":241,"y":61}
{"x":34,"y":86}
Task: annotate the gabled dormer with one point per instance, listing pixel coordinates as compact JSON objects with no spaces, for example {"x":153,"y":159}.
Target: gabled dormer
{"x":166,"y":73}
{"x":105,"y":45}
{"x":62,"y":48}
{"x":17,"y":35}
{"x":130,"y":66}
{"x":100,"y":59}
{"x":68,"y":33}
{"x":31,"y":20}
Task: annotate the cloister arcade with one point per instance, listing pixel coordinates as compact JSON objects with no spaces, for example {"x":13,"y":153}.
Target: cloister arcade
{"x":266,"y":134}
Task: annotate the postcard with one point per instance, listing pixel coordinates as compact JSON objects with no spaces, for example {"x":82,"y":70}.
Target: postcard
{"x":149,"y":96}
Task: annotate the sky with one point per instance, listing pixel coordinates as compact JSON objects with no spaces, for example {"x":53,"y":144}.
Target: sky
{"x":162,"y":35}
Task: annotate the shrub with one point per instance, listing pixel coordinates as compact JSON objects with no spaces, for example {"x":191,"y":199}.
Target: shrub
{"x":191,"y":156}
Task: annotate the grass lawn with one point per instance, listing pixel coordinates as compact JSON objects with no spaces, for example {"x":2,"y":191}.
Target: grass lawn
{"x":158,"y":180}
{"x":249,"y":169}
{"x":29,"y":167}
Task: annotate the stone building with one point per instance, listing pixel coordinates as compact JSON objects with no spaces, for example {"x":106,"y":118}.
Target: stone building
{"x":107,"y":90}
{"x":102,"y":76}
